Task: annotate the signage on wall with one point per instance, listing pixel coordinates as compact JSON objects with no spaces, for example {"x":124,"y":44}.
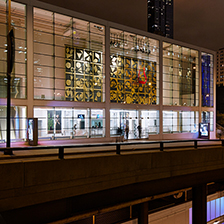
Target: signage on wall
{"x":204,"y":129}
{"x":99,"y":116}
{"x":81,"y":116}
{"x":32,"y":131}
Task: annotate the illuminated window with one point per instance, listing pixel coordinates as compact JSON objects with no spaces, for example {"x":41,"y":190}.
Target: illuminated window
{"x":180,"y":121}
{"x":207,"y":80}
{"x":180,"y":76}
{"x":134,"y":68}
{"x":18,"y":21}
{"x":17,"y":123}
{"x":68,"y":58}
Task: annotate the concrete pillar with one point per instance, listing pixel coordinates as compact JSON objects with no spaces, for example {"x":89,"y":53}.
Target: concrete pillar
{"x":30,"y":67}
{"x":160,"y":89}
{"x":107,"y":82}
{"x":199,"y":204}
{"x":143,"y":213}
{"x":200,"y":86}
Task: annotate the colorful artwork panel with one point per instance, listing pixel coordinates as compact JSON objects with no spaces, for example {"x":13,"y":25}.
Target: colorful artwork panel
{"x":134,"y":80}
{"x":83,"y":79}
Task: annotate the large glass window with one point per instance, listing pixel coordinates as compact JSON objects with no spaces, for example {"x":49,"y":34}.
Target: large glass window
{"x":208,"y":117}
{"x":180,"y":121}
{"x":97,"y":123}
{"x":17,"y":123}
{"x":18,"y":76}
{"x":68,"y":58}
{"x":69,"y":122}
{"x":134,"y":68}
{"x":147,"y":121}
{"x":207,"y":79}
{"x":150,"y":122}
{"x":180,"y":75}
{"x":121,"y":119}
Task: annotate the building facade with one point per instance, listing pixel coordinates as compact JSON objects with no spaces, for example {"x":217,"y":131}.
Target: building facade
{"x":160,"y":17}
{"x":220,"y":66}
{"x":84,"y":77}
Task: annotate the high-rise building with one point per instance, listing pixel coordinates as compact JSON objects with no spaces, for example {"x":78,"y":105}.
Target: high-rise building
{"x":160,"y":17}
{"x":220,"y":66}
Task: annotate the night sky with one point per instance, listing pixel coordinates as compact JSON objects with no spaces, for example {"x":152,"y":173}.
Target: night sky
{"x":200,"y":22}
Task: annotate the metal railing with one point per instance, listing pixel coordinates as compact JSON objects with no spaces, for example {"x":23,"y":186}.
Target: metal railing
{"x":118,"y":150}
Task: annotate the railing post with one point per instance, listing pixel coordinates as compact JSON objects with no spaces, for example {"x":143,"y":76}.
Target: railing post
{"x":161,"y":146}
{"x":61,"y":153}
{"x":118,"y":149}
{"x":195,"y":144}
{"x":8,"y":151}
{"x":222,"y":142}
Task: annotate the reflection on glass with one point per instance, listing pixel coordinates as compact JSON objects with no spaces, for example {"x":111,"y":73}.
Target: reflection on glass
{"x":75,"y":55}
{"x":180,"y":75}
{"x":18,"y":22}
{"x":70,"y":123}
{"x":17,"y":122}
{"x":180,"y":121}
{"x":208,"y":117}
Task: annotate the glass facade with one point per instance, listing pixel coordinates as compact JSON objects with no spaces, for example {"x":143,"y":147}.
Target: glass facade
{"x":56,"y":122}
{"x":134,"y":68}
{"x":123,"y":119}
{"x":68,"y":58}
{"x":180,"y":75}
{"x":208,"y":117}
{"x":207,"y":80}
{"x":17,"y":123}
{"x":18,"y":76}
{"x":148,"y":120}
{"x":180,"y":121}
{"x":146,"y":85}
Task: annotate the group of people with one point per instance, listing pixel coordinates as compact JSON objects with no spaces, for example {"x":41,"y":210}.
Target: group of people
{"x":119,"y":131}
{"x":127,"y":131}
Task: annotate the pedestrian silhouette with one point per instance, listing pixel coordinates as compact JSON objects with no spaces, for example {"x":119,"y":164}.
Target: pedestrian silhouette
{"x":139,"y":130}
{"x":127,"y":131}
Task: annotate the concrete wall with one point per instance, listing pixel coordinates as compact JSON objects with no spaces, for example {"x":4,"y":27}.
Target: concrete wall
{"x":25,"y":183}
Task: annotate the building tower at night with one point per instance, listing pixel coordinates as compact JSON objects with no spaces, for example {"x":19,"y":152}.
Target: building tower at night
{"x":220,"y":66}
{"x":160,"y":17}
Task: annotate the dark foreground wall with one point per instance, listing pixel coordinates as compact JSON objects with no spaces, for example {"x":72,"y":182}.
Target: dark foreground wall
{"x":131,"y":13}
{"x":75,"y":185}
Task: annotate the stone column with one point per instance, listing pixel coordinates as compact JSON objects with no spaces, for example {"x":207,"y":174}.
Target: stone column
{"x":199,"y":204}
{"x":143,"y":213}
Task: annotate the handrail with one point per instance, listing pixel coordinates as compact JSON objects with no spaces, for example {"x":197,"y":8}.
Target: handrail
{"x":117,"y":144}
